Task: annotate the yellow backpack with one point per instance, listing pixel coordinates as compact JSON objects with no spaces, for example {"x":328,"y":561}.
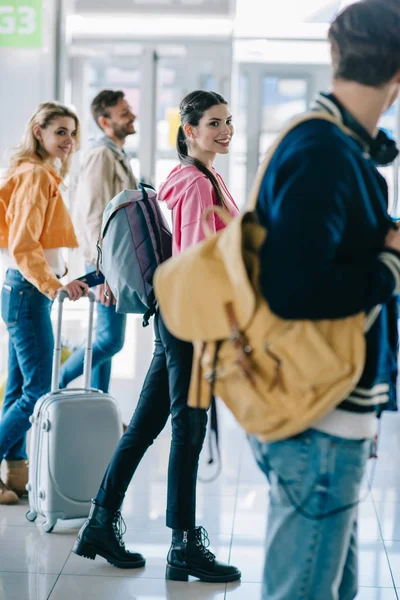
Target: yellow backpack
{"x":277,"y":376}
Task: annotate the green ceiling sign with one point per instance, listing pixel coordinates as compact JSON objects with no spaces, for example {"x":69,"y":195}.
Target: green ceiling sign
{"x":21,"y":23}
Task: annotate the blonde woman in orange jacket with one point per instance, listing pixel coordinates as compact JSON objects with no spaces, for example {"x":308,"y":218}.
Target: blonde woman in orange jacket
{"x":34,"y":226}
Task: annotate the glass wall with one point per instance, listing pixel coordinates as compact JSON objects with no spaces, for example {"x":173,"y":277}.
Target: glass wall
{"x":267,"y":97}
{"x":176,"y":78}
{"x":238,"y":152}
{"x":282,"y":99}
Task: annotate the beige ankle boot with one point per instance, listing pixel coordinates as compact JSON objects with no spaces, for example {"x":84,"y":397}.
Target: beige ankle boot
{"x":16,"y":476}
{"x":7,"y":496}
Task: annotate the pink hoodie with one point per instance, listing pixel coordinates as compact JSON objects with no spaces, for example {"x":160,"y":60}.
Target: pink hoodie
{"x":188,"y":193}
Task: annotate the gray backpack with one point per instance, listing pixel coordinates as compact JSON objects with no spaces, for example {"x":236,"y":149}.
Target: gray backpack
{"x":134,"y":240}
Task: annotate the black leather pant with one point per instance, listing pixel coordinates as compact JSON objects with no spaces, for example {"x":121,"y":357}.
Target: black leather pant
{"x":164,"y":392}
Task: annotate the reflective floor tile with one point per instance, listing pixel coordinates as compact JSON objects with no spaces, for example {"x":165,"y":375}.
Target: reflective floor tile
{"x":251,"y":473}
{"x":236,"y":501}
{"x":248,"y":555}
{"x":389,"y":519}
{"x":247,"y":452}
{"x":147,"y":511}
{"x":252,"y":591}
{"x":376,"y":594}
{"x":252,"y":524}
{"x":29,"y":550}
{"x":368,"y":524}
{"x":386,"y":486}
{"x":76,"y":565}
{"x":153,"y":546}
{"x":393,"y":551}
{"x":15,"y":515}
{"x":246,"y":591}
{"x":374,"y":568}
{"x":223,"y":487}
{"x":260,"y":490}
{"x":252,"y":508}
{"x":126,"y":588}
{"x":152,"y":471}
{"x":216,"y":514}
{"x":26,"y":586}
{"x":389,"y":492}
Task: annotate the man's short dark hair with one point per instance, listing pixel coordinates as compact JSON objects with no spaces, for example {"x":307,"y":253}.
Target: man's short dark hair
{"x":365,"y":41}
{"x":103,"y":101}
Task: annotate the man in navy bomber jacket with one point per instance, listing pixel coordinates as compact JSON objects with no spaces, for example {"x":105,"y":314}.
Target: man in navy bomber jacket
{"x":333,"y":251}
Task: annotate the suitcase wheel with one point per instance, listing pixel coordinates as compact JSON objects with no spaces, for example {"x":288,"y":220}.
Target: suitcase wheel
{"x":31,"y":515}
{"x":48,"y":526}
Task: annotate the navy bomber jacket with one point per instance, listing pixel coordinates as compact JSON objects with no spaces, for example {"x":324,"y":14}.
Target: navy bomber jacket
{"x":324,"y":204}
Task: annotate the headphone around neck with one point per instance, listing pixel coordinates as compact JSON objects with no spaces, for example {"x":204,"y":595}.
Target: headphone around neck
{"x":382,"y":149}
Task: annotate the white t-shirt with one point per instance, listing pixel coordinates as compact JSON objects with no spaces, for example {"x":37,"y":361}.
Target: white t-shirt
{"x":54,"y":259}
{"x":349,"y":425}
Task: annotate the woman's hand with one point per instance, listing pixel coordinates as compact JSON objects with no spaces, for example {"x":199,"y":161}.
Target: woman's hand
{"x":75,"y":289}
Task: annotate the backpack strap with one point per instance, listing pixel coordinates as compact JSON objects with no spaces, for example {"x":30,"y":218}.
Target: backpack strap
{"x":251,"y":206}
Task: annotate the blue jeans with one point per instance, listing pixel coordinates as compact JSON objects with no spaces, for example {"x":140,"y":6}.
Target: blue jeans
{"x":109,"y":340}
{"x":26,"y":312}
{"x":312,"y":559}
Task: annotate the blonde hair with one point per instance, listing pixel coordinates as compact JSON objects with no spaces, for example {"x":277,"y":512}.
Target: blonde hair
{"x":30,"y":147}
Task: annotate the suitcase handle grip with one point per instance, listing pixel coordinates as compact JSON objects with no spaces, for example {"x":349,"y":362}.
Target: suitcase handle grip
{"x":61,"y":296}
{"x":87,"y":370}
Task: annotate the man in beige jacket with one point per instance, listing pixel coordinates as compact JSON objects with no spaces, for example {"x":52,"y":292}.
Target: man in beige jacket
{"x":105,"y":172}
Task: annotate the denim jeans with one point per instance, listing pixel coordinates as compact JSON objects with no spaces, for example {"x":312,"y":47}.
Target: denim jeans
{"x":109,"y":340}
{"x":164,"y":392}
{"x":312,"y":559}
{"x":26,"y":312}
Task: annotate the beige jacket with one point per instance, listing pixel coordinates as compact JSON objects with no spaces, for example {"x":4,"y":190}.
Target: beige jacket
{"x":104,"y":174}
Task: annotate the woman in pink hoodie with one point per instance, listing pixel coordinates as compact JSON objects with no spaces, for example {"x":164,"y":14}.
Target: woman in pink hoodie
{"x":190,"y":189}
{"x":194,"y":185}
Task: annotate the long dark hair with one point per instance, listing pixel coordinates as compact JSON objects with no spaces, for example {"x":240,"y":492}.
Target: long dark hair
{"x":191,"y":109}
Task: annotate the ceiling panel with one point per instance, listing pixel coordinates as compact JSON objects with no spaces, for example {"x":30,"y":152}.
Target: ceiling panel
{"x":165,"y":7}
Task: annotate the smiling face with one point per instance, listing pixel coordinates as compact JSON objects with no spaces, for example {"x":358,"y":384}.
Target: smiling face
{"x":214,"y":132}
{"x":59,"y":137}
{"x":120,"y":122}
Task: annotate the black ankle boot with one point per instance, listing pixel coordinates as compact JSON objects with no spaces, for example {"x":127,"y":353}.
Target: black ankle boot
{"x":188,"y":555}
{"x":102,"y":534}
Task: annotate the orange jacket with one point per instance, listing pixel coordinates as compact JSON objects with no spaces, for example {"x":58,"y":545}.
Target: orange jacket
{"x":33,"y":217}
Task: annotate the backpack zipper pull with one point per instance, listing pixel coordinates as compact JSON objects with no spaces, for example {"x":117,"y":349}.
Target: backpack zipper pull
{"x":185,"y":537}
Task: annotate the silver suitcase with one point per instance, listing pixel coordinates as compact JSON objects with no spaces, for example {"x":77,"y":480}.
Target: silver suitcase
{"x":74,"y":434}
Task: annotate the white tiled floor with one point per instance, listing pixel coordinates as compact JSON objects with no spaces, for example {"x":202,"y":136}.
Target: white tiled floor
{"x":39,"y":566}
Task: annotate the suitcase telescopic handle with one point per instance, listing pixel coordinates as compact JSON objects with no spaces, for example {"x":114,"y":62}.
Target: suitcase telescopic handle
{"x":87,"y":369}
